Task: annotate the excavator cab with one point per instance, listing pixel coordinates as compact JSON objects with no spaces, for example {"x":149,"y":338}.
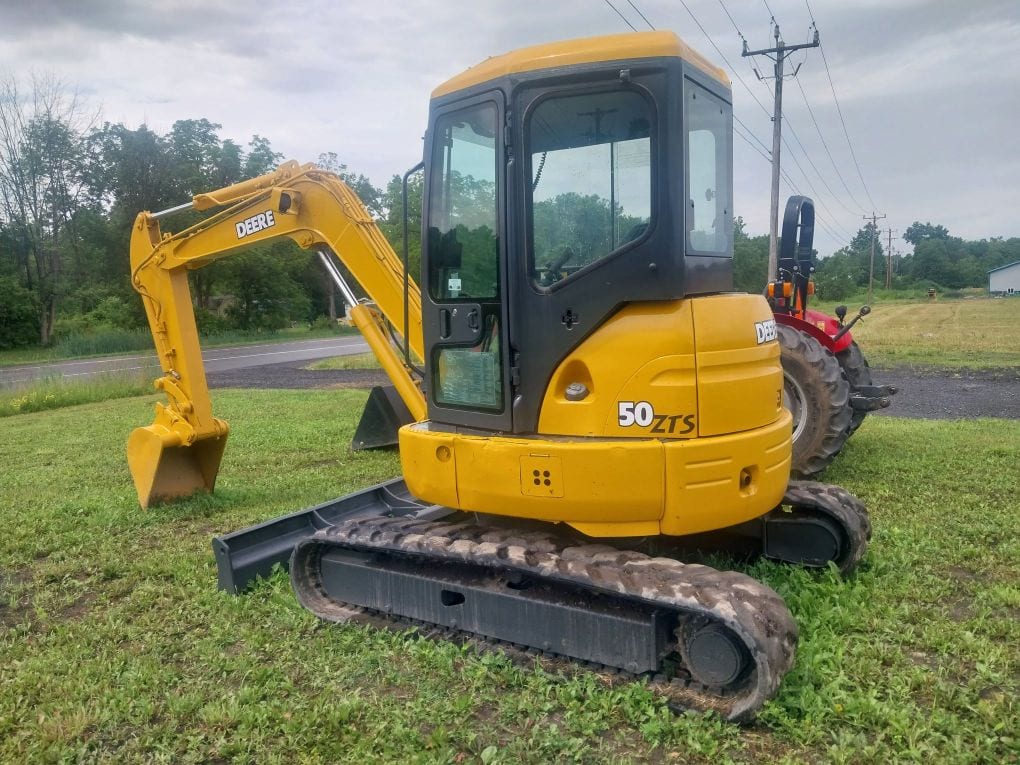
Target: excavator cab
{"x":563,"y":182}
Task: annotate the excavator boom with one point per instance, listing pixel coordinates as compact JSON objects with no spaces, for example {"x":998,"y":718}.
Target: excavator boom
{"x":180,"y":452}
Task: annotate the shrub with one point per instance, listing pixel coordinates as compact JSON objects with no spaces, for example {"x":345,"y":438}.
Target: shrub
{"x":19,"y":316}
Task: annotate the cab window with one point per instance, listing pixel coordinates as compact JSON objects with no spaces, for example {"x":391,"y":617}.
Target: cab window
{"x":590,"y":180}
{"x":463,"y":217}
{"x":709,"y":211}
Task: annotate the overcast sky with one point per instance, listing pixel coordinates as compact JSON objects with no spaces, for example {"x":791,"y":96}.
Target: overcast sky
{"x":930,"y":89}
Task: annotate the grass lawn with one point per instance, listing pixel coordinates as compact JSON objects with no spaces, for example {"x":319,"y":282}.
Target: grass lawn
{"x":353,"y":361}
{"x":57,"y":392}
{"x":115,"y":645}
{"x":974,"y":333}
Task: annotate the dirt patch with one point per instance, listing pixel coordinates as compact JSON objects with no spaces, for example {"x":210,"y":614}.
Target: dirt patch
{"x":79,"y":609}
{"x":10,"y":583}
{"x":961,"y":574}
{"x":923,"y":659}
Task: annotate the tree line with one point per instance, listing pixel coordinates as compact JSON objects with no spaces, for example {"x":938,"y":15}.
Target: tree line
{"x":938,"y":260}
{"x":71,"y":185}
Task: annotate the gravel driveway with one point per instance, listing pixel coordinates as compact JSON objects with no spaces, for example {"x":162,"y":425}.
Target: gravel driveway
{"x":937,"y":394}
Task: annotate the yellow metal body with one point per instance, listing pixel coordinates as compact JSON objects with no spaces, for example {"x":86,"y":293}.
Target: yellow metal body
{"x":589,"y":50}
{"x":181,"y":451}
{"x":714,"y":452}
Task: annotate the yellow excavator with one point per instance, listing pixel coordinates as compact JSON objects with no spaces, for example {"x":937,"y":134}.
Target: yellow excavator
{"x":577,"y":369}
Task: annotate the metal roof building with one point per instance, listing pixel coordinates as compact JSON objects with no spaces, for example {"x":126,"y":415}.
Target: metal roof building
{"x":1004,"y":280}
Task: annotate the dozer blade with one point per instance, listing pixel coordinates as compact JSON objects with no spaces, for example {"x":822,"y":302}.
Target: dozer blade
{"x":164,"y":469}
{"x":385,"y":413}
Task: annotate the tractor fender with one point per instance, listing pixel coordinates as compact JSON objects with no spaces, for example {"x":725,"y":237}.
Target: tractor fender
{"x":820,"y":326}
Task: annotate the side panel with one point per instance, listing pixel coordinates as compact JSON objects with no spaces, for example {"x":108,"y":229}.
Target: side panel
{"x":643,"y":357}
{"x":740,"y":379}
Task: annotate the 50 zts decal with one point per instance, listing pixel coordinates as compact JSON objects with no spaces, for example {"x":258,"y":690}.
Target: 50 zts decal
{"x":642,"y":414}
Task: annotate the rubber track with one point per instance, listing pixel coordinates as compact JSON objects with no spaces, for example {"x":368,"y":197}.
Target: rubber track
{"x":839,"y":505}
{"x":753,"y":611}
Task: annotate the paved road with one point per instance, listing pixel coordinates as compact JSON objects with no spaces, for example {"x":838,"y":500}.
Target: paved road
{"x":216,"y":360}
{"x":946,"y":394}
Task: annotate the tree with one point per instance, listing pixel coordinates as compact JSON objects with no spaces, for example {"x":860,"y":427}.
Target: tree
{"x":370,"y":195}
{"x":918,"y":232}
{"x":392,"y":224}
{"x":836,"y":276}
{"x":19,"y":315}
{"x":750,"y":259}
{"x":260,"y":158}
{"x":266,"y":297}
{"x":42,"y":185}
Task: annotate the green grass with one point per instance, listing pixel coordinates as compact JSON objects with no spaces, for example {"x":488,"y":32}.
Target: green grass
{"x":114,"y":342}
{"x":115,"y":645}
{"x":58,"y":392}
{"x":975,"y":333}
{"x":354,"y":361}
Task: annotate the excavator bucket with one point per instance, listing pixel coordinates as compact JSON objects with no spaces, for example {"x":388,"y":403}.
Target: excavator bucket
{"x":164,"y":469}
{"x":385,"y":413}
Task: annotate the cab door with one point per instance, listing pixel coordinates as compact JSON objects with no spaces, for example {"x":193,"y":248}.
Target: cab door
{"x":464,"y":267}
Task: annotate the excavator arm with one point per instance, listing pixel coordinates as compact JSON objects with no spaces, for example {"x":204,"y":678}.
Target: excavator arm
{"x":181,"y":451}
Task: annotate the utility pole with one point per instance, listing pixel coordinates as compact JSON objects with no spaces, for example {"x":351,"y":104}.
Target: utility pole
{"x":778,"y":54}
{"x":874,"y":229}
{"x":888,"y":261}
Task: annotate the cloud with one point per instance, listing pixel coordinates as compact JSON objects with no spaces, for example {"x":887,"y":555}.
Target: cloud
{"x":928,"y":87}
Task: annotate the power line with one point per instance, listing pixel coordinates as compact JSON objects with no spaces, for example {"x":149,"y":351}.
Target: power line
{"x":789,"y":124}
{"x":625,"y":20}
{"x":763,"y":151}
{"x":739,"y":34}
{"x":814,"y":167}
{"x":757,"y":101}
{"x":639,"y":13}
{"x":781,"y":52}
{"x":846,"y":133}
{"x":764,"y":155}
{"x":839,"y":110}
{"x":771,"y":14}
{"x":726,"y":11}
{"x":751,"y":133}
{"x":821,"y":204}
{"x":826,"y":146}
{"x":723,"y":56}
{"x":820,"y":220}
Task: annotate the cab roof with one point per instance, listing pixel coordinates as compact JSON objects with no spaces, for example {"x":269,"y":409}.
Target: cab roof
{"x":588,"y":50}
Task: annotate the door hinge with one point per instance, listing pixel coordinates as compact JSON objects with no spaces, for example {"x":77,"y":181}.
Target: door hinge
{"x":508,"y":137}
{"x":515,"y":377}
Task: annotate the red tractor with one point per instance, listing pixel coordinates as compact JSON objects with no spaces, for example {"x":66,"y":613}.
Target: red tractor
{"x":827,"y":385}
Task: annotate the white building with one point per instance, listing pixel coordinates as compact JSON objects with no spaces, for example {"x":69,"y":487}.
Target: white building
{"x":1004,"y":280}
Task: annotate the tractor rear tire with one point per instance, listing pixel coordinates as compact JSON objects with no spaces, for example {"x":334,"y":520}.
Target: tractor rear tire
{"x":818,"y":396}
{"x":858,"y":372}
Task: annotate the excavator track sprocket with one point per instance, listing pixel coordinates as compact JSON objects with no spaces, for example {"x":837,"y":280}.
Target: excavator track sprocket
{"x":720,"y":640}
{"x":817,"y":524}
